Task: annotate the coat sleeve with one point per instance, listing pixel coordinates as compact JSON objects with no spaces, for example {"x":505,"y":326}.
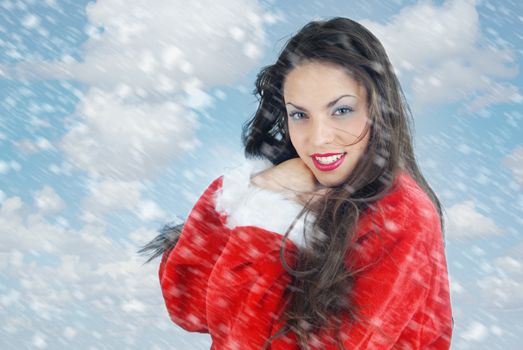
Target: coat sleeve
{"x":402,"y":295}
{"x":185,"y":270}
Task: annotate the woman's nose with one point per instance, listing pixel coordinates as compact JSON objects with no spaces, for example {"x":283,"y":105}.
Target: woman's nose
{"x":322,"y":133}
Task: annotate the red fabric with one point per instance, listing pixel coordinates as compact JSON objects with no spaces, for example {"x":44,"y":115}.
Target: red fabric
{"x":230,"y":282}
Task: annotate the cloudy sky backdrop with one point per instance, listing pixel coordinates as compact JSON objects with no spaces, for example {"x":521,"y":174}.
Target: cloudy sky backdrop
{"x":115,"y":115}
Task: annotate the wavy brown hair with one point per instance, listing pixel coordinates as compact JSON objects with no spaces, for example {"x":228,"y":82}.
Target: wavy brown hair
{"x":321,"y":281}
{"x":321,"y":285}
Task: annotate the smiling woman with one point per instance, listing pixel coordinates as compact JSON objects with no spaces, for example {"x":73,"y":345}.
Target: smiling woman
{"x":329,"y":236}
{"x":331,"y":130}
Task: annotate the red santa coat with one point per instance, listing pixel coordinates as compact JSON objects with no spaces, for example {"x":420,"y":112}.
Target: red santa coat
{"x":225,"y":277}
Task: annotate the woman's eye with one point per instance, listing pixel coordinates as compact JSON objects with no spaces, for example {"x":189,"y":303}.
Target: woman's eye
{"x":296,"y":115}
{"x":343,"y":110}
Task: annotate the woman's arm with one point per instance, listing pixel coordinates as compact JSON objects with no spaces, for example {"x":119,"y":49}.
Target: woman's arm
{"x":403,"y":295}
{"x":292,"y":178}
{"x":184,"y":271}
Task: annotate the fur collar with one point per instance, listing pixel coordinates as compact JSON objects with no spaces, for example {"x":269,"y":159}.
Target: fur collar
{"x":247,"y":205}
{"x":244,"y":204}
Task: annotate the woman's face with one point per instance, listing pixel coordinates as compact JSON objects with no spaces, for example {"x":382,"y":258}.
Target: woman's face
{"x":326,"y":112}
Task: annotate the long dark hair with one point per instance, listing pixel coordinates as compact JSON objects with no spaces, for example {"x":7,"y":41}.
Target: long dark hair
{"x":321,"y":281}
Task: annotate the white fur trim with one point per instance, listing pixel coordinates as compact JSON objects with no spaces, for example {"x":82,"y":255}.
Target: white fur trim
{"x":248,"y":205}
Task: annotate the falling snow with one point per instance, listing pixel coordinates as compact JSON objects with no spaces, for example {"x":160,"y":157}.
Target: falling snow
{"x":115,"y":115}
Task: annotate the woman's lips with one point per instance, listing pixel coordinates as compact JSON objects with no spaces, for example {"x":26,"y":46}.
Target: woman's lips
{"x":329,"y":166}
{"x":326,"y":154}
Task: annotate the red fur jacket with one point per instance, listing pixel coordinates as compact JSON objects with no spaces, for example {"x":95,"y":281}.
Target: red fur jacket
{"x":225,"y":277}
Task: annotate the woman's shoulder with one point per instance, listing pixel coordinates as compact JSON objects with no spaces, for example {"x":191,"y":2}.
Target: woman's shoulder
{"x":412,"y":197}
{"x":406,"y":209}
{"x":405,"y":192}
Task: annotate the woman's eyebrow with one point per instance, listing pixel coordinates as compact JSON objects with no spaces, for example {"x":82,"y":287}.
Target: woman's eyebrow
{"x":329,"y":105}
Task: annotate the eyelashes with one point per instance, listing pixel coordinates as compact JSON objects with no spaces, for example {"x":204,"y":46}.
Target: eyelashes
{"x":340,"y":111}
{"x":296,"y":115}
{"x":346,"y":110}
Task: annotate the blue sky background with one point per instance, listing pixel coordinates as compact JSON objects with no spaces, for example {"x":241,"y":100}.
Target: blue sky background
{"x":114,"y":118}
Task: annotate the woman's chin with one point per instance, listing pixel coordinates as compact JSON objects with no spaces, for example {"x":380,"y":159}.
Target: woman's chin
{"x":329,"y":182}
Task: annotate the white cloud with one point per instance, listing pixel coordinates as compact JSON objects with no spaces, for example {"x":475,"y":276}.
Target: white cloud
{"x":115,"y":194}
{"x":440,"y":51}
{"x":148,"y":44}
{"x":10,"y":205}
{"x":147,"y":62}
{"x":147,"y":65}
{"x":108,"y":195}
{"x":88,"y":273}
{"x":465,"y":222}
{"x":502,"y":291}
{"x":475,"y":331}
{"x":48,"y":201}
{"x":509,"y":264}
{"x":499,"y":93}
{"x":503,"y":287}
{"x":127,"y":141}
{"x":6,"y":166}
{"x":456,"y":288}
{"x":31,"y":21}
{"x":32,"y":146}
{"x":149,"y":210}
{"x":24,"y":230}
{"x":514,"y":161}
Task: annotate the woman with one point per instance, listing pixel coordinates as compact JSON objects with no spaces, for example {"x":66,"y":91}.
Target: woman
{"x":329,"y":237}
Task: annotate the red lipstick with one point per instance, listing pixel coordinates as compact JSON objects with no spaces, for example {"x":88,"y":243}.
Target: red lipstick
{"x":330,"y":166}
{"x":325,"y":154}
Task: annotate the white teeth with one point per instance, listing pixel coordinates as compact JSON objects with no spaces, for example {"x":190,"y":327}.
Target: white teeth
{"x":328,"y":160}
